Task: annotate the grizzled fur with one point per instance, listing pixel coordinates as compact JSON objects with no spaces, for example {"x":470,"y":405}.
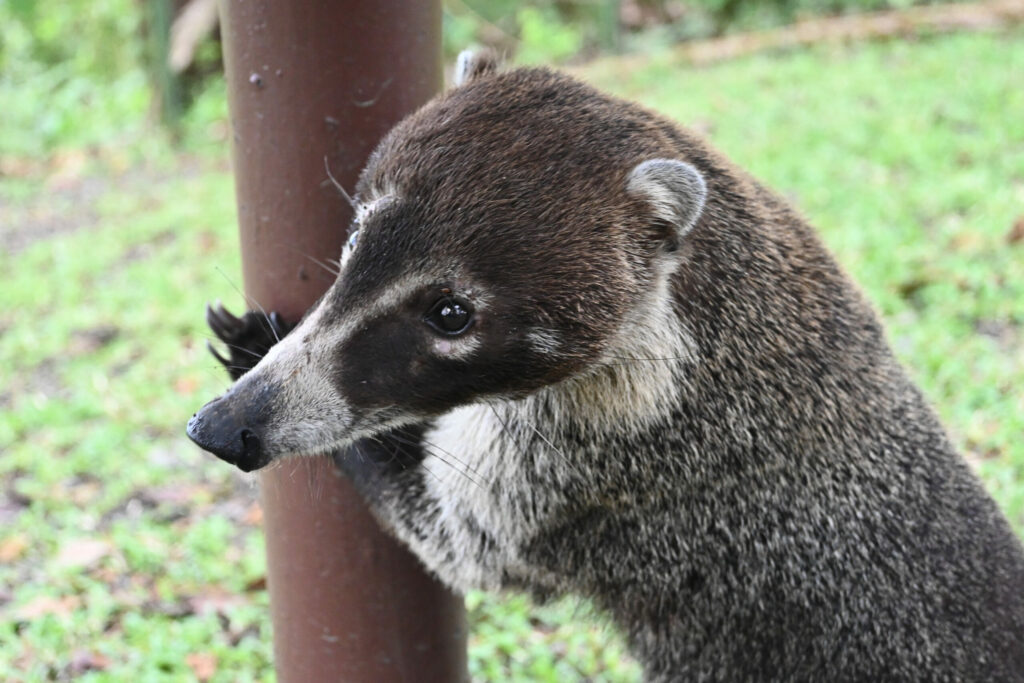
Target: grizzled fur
{"x":670,"y":400}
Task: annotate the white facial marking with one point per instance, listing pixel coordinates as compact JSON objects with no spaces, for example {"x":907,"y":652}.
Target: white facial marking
{"x":365,"y":209}
{"x":363,"y":212}
{"x":469,"y":462}
{"x":457,"y":347}
{"x":639,"y":377}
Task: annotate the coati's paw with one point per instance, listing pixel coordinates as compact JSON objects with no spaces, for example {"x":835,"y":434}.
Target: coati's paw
{"x":247,"y":338}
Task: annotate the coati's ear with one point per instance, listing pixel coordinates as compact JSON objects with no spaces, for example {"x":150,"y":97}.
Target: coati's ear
{"x":473,"y":64}
{"x":675,"y":190}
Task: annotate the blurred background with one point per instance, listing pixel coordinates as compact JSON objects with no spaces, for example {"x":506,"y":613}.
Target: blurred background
{"x":896,"y":127}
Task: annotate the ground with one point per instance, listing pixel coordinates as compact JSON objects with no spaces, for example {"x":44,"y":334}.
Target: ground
{"x":127,"y":553}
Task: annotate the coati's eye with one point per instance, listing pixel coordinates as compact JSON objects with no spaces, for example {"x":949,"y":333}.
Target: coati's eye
{"x":353,"y":238}
{"x":449,"y":316}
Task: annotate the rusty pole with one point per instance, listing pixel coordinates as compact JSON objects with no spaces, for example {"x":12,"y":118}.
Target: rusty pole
{"x":309,"y":79}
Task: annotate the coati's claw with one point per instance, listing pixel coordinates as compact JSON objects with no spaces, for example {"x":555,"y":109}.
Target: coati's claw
{"x":223,"y":361}
{"x":223,"y":323}
{"x":248,"y":338}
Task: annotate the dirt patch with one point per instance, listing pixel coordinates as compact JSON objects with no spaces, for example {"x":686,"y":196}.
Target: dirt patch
{"x":66,"y":203}
{"x":50,"y":213}
{"x":901,"y":23}
{"x":43,"y":381}
{"x":139,"y":252}
{"x":1005,"y":333}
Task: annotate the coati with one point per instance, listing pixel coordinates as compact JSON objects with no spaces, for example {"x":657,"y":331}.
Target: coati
{"x":571,"y":348}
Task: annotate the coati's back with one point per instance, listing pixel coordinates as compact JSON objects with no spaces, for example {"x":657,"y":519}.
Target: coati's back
{"x":632,"y":372}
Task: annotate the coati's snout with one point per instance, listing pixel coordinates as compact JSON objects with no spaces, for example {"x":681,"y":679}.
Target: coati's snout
{"x":232,"y":430}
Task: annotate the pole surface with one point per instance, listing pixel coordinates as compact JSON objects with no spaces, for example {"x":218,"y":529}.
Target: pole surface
{"x":309,"y":79}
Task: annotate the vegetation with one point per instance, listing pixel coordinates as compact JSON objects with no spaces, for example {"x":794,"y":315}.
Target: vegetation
{"x":81,"y":74}
{"x":125,"y":553}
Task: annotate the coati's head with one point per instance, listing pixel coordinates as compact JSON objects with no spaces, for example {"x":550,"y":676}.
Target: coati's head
{"x":507,"y":236}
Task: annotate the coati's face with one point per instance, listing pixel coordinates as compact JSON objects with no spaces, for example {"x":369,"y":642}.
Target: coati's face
{"x":506,"y":235}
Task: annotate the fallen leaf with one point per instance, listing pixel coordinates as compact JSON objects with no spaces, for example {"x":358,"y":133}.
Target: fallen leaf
{"x":250,"y":631}
{"x":12,"y":547}
{"x":81,"y":553}
{"x":43,"y":605}
{"x":966,"y":241}
{"x":216,"y":601}
{"x":176,"y":494}
{"x":174,"y":610}
{"x":85,"y":493}
{"x":186,"y":385}
{"x":254,"y":515}
{"x":66,"y":168}
{"x":257,"y":584}
{"x":1016,"y":234}
{"x":91,"y":340}
{"x":207,"y":241}
{"x":20,"y":167}
{"x":203,"y":664}
{"x":83,"y":661}
{"x":908,"y":289}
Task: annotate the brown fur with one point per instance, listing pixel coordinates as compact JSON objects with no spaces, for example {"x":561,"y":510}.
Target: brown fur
{"x":773,"y":501}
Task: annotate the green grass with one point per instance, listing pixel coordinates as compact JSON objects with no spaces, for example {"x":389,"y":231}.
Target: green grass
{"x":127,"y":554}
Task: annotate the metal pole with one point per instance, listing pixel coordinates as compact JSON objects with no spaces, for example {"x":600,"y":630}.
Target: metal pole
{"x":309,"y":79}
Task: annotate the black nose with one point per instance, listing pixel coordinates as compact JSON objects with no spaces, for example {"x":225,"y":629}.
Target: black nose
{"x":220,"y":427}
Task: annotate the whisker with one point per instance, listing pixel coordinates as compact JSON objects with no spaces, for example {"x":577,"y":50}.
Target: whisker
{"x":216,"y":371}
{"x":392,"y":454}
{"x":627,"y":359}
{"x":463,"y":470}
{"x":334,"y":181}
{"x":311,"y":258}
{"x":431,"y":473}
{"x":251,"y":301}
{"x":233,"y":346}
{"x":230,"y":367}
{"x":314,"y":485}
{"x":558,"y":451}
{"x":460,"y":470}
{"x":553,"y":446}
{"x":466,"y":465}
{"x":508,"y":431}
{"x":394,"y":451}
